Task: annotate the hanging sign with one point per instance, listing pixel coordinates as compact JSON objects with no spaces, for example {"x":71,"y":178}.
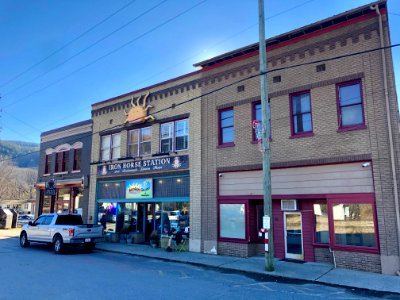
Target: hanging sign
{"x":50,"y":188}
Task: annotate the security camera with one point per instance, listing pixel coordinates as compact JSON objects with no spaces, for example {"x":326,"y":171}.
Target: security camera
{"x":367,"y":164}
{"x":220,"y":174}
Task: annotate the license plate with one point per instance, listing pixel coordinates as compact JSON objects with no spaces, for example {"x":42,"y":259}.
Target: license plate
{"x":87,"y":240}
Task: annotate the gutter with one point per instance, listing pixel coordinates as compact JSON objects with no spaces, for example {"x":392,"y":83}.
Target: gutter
{"x":389,"y":122}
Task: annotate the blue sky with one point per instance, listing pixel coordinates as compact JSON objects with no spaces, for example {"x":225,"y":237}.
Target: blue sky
{"x":60,"y":90}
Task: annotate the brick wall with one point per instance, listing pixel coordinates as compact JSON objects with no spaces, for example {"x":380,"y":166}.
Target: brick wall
{"x":323,"y":255}
{"x":358,"y":261}
{"x":327,"y":142}
{"x":167,"y":98}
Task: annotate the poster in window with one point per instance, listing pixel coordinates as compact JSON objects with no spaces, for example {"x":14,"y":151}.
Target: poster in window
{"x":139,"y":188}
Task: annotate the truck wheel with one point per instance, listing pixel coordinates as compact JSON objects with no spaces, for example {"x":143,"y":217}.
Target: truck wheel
{"x":90,"y":246}
{"x":23,"y":240}
{"x":58,"y":245}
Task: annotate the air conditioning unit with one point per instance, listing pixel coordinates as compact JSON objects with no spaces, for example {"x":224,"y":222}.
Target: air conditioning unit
{"x":288,"y":205}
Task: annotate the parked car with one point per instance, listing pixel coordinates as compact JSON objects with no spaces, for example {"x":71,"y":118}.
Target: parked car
{"x":61,"y":230}
{"x":24,"y":219}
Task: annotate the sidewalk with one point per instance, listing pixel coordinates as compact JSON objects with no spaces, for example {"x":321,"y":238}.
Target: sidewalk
{"x":309,"y":272}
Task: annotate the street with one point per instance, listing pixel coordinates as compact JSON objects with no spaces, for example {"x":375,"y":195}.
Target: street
{"x":37,"y":273}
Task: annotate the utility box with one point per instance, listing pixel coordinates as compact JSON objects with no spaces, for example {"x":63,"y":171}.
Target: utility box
{"x":6,"y":217}
{"x":14,"y":218}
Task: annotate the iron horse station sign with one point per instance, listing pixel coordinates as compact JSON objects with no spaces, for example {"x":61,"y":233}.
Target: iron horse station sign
{"x":147,"y":165}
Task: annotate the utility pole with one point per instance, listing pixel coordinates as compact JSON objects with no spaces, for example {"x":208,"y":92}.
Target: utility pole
{"x":267,"y":220}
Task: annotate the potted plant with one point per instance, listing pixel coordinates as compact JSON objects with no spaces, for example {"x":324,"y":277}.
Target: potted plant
{"x":154,"y":239}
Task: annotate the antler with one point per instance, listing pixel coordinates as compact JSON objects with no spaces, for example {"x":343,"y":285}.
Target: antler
{"x":133,"y":105}
{"x":137,"y":100}
{"x":144,"y":100}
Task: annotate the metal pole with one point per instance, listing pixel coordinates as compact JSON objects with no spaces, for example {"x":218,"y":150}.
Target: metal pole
{"x":269,"y":256}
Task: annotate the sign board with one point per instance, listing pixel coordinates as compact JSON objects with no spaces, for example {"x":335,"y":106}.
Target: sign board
{"x":50,"y":188}
{"x":146,"y":165}
{"x":139,"y":188}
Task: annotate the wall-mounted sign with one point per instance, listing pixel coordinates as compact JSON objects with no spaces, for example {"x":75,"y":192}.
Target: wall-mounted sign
{"x":50,"y":188}
{"x":139,"y":188}
{"x":146,"y":165}
{"x":138,"y":112}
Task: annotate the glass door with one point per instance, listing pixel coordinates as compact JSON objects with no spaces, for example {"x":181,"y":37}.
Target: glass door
{"x":293,"y":236}
{"x":63,"y":201}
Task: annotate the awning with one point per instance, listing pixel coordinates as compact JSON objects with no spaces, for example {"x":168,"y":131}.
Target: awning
{"x":62,"y":183}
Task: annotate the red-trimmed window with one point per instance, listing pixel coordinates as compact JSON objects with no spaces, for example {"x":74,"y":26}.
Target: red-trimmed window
{"x":350,"y":105}
{"x":47,"y":164}
{"x":77,"y":159}
{"x":321,"y":222}
{"x":226,"y":127}
{"x":301,"y":118}
{"x":353,"y":224}
{"x":232,"y":221}
{"x":257,"y":115}
{"x":61,"y":161}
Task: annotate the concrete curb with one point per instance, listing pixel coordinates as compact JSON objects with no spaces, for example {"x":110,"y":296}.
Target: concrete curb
{"x":263,"y":276}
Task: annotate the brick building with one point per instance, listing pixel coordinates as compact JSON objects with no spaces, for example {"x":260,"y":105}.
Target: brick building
{"x":145,"y":174}
{"x":65,"y":158}
{"x":332,"y":153}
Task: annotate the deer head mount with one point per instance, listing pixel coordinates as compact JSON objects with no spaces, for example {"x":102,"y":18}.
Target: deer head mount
{"x":138,"y":112}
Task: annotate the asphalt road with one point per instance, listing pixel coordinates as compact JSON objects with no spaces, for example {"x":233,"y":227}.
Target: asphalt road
{"x":37,"y":273}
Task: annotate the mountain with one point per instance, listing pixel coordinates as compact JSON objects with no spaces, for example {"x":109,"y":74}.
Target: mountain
{"x":19,"y":150}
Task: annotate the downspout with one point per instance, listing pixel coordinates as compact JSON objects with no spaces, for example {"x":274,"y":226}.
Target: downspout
{"x":392,"y":159}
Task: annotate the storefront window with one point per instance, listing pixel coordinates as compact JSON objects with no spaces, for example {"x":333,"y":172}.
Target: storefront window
{"x":107,"y":215}
{"x":232,"y":221}
{"x":46,"y":204}
{"x":354,"y":225}
{"x":321,"y":223}
{"x":78,"y":201}
{"x":173,"y":215}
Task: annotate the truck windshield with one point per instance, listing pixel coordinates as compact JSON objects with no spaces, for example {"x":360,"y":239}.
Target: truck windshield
{"x":69,"y":220}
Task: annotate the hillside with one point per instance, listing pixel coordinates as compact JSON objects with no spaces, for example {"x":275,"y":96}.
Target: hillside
{"x":19,"y":150}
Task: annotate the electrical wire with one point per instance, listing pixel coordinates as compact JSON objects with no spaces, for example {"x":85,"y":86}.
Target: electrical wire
{"x":173,"y":106}
{"x":109,"y":53}
{"x":67,"y":44}
{"x":213,"y":46}
{"x":85,"y":49}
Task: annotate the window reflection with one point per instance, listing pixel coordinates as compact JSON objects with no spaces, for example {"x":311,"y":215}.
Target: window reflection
{"x":321,"y":223}
{"x":354,"y":225}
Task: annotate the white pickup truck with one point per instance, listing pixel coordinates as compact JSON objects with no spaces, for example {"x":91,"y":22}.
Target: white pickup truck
{"x":61,"y":230}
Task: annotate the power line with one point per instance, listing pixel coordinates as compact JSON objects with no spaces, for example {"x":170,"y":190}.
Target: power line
{"x":227,"y":39}
{"x":67,"y":44}
{"x":85,"y":49}
{"x":109,"y":53}
{"x":223,"y":87}
{"x":213,"y":46}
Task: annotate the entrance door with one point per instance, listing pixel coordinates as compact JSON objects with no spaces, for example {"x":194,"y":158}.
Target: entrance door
{"x":293,"y":236}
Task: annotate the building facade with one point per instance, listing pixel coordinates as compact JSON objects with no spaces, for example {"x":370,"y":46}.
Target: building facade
{"x":184,"y":154}
{"x":64,"y":169}
{"x":334,"y":147}
{"x":146,"y":162}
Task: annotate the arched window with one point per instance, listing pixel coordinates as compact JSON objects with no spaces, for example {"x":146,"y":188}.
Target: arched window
{"x":77,"y":156}
{"x":47,"y":161}
{"x":62,"y":158}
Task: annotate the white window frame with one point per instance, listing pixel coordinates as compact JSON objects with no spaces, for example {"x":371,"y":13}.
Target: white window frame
{"x":139,"y":142}
{"x":174,"y":136}
{"x":110,"y":147}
